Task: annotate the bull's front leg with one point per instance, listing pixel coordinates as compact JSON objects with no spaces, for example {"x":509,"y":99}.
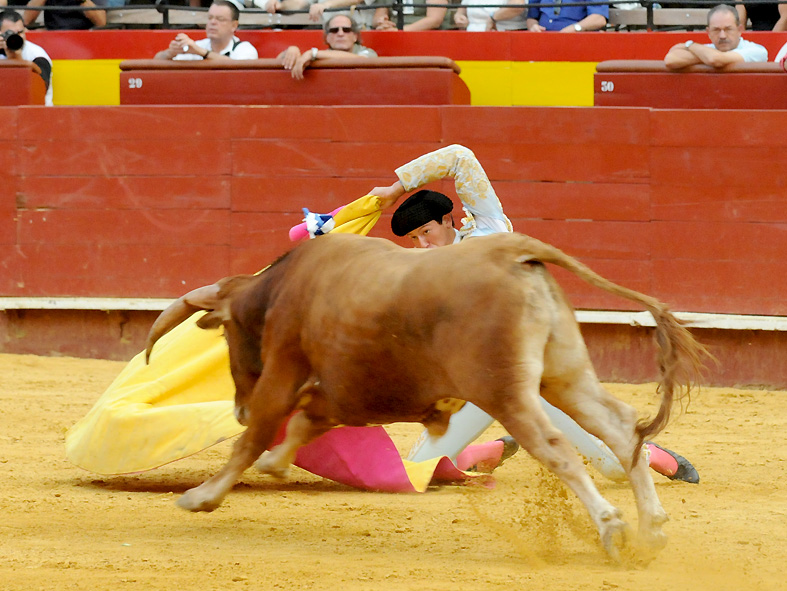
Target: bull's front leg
{"x":209,"y":495}
{"x":272,"y":398}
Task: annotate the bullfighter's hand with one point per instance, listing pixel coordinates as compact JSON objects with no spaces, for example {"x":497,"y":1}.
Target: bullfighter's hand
{"x":388,"y":196}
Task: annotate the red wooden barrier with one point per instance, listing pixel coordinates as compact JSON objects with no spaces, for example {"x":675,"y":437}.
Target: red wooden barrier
{"x":374,"y":81}
{"x":152,"y":201}
{"x":21,"y":83}
{"x":643,"y":83}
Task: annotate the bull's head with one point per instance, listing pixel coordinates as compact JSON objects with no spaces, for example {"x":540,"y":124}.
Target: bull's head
{"x":211,"y":298}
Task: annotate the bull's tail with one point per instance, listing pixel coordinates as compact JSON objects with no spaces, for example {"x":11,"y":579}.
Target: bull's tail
{"x":680,"y":357}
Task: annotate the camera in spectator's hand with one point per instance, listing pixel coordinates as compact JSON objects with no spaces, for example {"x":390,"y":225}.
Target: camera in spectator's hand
{"x":13,"y":40}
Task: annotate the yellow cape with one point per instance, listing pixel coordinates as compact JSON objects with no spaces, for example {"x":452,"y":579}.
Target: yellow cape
{"x":183,"y":401}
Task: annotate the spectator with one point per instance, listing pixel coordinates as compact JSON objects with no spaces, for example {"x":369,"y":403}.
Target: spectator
{"x":220,"y":43}
{"x":566,"y":19}
{"x":727,"y":47}
{"x":491,"y":18}
{"x":274,"y":6}
{"x":763,"y":17}
{"x":417,"y":16}
{"x":363,"y":17}
{"x":342,"y":35}
{"x":68,"y":19}
{"x":11,"y":21}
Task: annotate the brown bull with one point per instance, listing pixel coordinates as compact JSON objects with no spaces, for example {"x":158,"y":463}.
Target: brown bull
{"x":358,"y":331}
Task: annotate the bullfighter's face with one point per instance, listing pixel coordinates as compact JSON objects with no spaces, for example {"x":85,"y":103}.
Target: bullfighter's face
{"x":434,"y":234}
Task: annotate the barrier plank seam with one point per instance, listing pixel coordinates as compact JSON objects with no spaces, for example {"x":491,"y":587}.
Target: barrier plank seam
{"x":644,"y":319}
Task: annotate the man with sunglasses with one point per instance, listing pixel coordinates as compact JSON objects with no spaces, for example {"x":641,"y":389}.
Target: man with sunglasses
{"x":342,"y":35}
{"x":220,"y":43}
{"x":566,"y":19}
{"x":11,"y":23}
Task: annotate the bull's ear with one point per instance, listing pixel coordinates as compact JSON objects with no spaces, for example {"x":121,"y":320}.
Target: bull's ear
{"x":210,"y":320}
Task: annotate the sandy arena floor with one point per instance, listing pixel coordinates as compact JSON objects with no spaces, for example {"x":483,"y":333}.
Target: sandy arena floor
{"x":64,"y":528}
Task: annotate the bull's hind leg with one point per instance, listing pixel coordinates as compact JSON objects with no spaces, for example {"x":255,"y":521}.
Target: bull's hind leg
{"x":525,"y":419}
{"x":272,"y":399}
{"x":613,"y":421}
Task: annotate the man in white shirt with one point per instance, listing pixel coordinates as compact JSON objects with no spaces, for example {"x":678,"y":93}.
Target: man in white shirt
{"x":221,"y":42}
{"x":11,"y":23}
{"x":727,"y":47}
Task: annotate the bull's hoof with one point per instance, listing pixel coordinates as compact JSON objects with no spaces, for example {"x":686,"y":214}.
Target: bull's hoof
{"x":196,"y":500}
{"x":652,"y":540}
{"x":614,"y":534}
{"x":267,"y":465}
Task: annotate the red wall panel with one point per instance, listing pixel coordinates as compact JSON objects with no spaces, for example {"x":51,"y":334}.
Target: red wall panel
{"x":158,"y":122}
{"x":719,"y":241}
{"x":721,"y":165}
{"x":288,"y":194}
{"x":545,"y":125}
{"x":762,"y":202}
{"x":126,"y":192}
{"x":719,"y":128}
{"x":732,"y":287}
{"x":117,"y":270}
{"x":155,"y":227}
{"x":561,"y":201}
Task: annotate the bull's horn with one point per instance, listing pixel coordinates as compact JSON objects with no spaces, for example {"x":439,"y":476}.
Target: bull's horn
{"x":202,"y":298}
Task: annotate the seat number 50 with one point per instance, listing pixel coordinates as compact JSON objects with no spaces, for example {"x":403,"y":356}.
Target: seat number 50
{"x":606,"y":85}
{"x":135,"y":82}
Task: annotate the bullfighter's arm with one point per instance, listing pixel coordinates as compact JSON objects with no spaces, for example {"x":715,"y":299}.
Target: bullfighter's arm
{"x":472,"y":186}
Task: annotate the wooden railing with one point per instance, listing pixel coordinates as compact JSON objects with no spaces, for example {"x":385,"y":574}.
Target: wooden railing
{"x":164,"y":16}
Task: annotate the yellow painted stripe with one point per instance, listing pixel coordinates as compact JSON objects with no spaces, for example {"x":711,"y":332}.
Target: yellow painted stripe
{"x":86,"y":82}
{"x":491,"y":83}
{"x":529,"y":83}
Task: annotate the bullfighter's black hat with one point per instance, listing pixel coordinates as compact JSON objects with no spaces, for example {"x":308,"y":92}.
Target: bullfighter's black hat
{"x":418,"y":209}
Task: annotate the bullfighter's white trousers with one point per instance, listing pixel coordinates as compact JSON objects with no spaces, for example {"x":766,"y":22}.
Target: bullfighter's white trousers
{"x":470,"y":422}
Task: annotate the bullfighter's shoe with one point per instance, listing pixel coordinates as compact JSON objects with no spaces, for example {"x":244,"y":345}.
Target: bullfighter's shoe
{"x":505,"y":447}
{"x":673,"y":466}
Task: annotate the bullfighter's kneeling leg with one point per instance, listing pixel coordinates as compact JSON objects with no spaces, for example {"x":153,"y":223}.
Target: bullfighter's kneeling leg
{"x":464,"y":427}
{"x":470,"y":422}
